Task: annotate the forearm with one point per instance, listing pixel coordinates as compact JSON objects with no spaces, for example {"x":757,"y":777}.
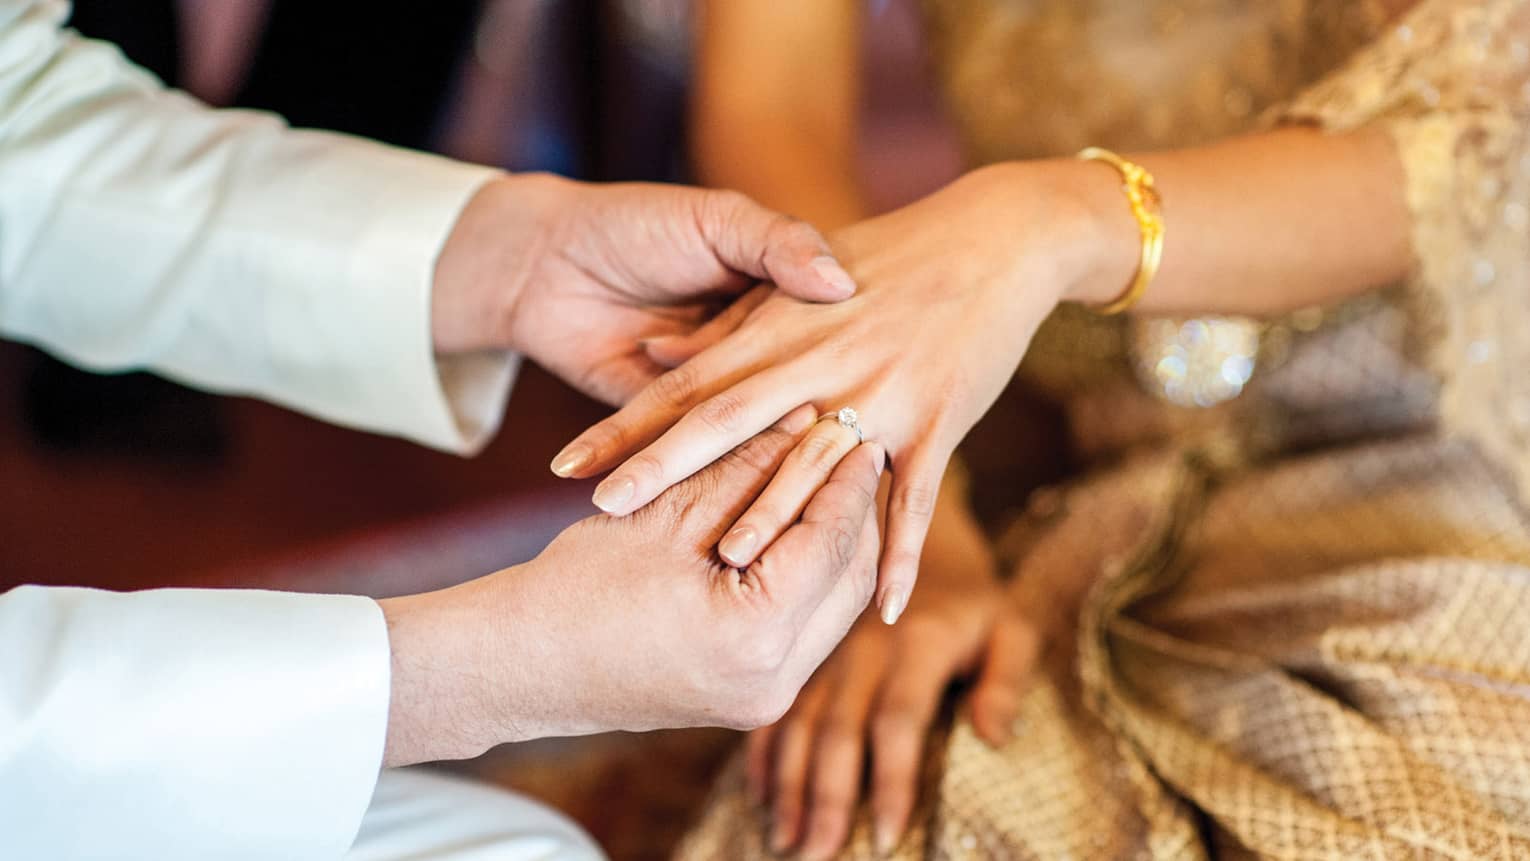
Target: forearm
{"x":788,"y":169}
{"x":1257,"y":225}
{"x":775,"y":108}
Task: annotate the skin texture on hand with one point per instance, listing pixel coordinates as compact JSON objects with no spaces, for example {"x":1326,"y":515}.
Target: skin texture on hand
{"x":944,"y":312}
{"x":953,"y":287}
{"x":575,"y":276}
{"x":635,"y":623}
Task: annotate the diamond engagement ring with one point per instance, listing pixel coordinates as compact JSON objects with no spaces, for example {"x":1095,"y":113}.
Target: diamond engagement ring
{"x":849,"y":419}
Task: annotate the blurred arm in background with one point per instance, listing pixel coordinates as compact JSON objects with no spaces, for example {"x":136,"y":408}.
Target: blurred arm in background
{"x":776,"y":105}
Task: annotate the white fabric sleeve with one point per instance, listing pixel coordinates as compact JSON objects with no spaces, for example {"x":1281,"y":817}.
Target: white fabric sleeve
{"x":188,"y":723}
{"x":139,"y":228}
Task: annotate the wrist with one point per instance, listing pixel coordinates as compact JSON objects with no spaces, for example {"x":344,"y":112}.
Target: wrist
{"x":445,"y":672}
{"x":1081,"y":227}
{"x":492,"y":252}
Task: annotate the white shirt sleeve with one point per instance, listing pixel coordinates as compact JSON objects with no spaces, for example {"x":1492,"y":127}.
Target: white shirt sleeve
{"x":188,"y":723}
{"x":139,"y":228}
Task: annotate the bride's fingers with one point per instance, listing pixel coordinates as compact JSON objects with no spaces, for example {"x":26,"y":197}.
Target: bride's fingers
{"x":910,"y":505}
{"x":757,"y":749}
{"x":839,"y":749}
{"x":806,"y":469}
{"x":1008,"y":663}
{"x":792,"y":749}
{"x":708,"y":431}
{"x":672,"y":351}
{"x":654,"y":409}
{"x":900,"y":724}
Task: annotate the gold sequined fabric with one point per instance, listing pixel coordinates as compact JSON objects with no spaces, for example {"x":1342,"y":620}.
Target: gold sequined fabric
{"x":1305,"y":627}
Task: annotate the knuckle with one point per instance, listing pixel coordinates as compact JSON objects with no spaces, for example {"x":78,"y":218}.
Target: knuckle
{"x":761,"y":453}
{"x":644,"y":467}
{"x":675,"y":389}
{"x":721,"y":413}
{"x":764,"y":653}
{"x":902,"y":559}
{"x":761,"y":711}
{"x":818,"y":453}
{"x":830,"y":791}
{"x":894,"y":724}
{"x":838,"y":731}
{"x":795,"y":231}
{"x":916,"y":498}
{"x":610,"y":435}
{"x":839,"y":540}
{"x":726,"y":201}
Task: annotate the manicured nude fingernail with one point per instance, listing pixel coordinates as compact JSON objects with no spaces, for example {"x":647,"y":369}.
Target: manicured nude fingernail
{"x":892,"y":606}
{"x":834,"y":276}
{"x":886,"y":837}
{"x":571,"y":460}
{"x":614,"y":492}
{"x":738,"y":546}
{"x":880,"y":454}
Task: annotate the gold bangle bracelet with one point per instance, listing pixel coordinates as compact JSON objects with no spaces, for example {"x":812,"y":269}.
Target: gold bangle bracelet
{"x":1147,"y":207}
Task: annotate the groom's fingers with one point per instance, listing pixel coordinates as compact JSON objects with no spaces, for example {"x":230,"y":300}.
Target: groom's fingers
{"x":672,"y":351}
{"x":802,"y":473}
{"x":765,"y":245}
{"x":709,"y":504}
{"x":833,"y":545}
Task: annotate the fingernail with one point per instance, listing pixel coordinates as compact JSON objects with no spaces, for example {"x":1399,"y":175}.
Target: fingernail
{"x":886,"y":838}
{"x":738,"y":546}
{"x":613,"y":493}
{"x":571,"y":460}
{"x":835,"y":276}
{"x":880,"y":454}
{"x":892,"y":606}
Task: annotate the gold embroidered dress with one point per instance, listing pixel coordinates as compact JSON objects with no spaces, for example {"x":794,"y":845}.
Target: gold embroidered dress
{"x":1308,"y":631}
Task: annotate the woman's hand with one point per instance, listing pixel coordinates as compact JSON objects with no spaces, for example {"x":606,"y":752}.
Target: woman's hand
{"x":875,"y":700}
{"x":951,"y":289}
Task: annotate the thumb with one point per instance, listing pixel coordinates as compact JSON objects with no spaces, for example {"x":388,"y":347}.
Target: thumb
{"x":769,"y":246}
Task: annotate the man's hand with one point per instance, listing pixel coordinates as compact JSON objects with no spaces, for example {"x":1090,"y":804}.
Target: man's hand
{"x":576,"y":275}
{"x":635,"y":623}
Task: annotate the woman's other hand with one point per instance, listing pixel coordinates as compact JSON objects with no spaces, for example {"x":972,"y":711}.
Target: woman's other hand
{"x":874,"y":701}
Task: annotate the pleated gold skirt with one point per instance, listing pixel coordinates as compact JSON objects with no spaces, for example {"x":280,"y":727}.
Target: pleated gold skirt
{"x":1323,"y":658}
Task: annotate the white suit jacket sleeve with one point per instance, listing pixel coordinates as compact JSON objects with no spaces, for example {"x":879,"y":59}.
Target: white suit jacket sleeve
{"x":138,"y":228}
{"x":187,"y":724}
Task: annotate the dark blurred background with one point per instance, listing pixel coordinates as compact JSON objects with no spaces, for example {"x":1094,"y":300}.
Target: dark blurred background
{"x":128,"y":481}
